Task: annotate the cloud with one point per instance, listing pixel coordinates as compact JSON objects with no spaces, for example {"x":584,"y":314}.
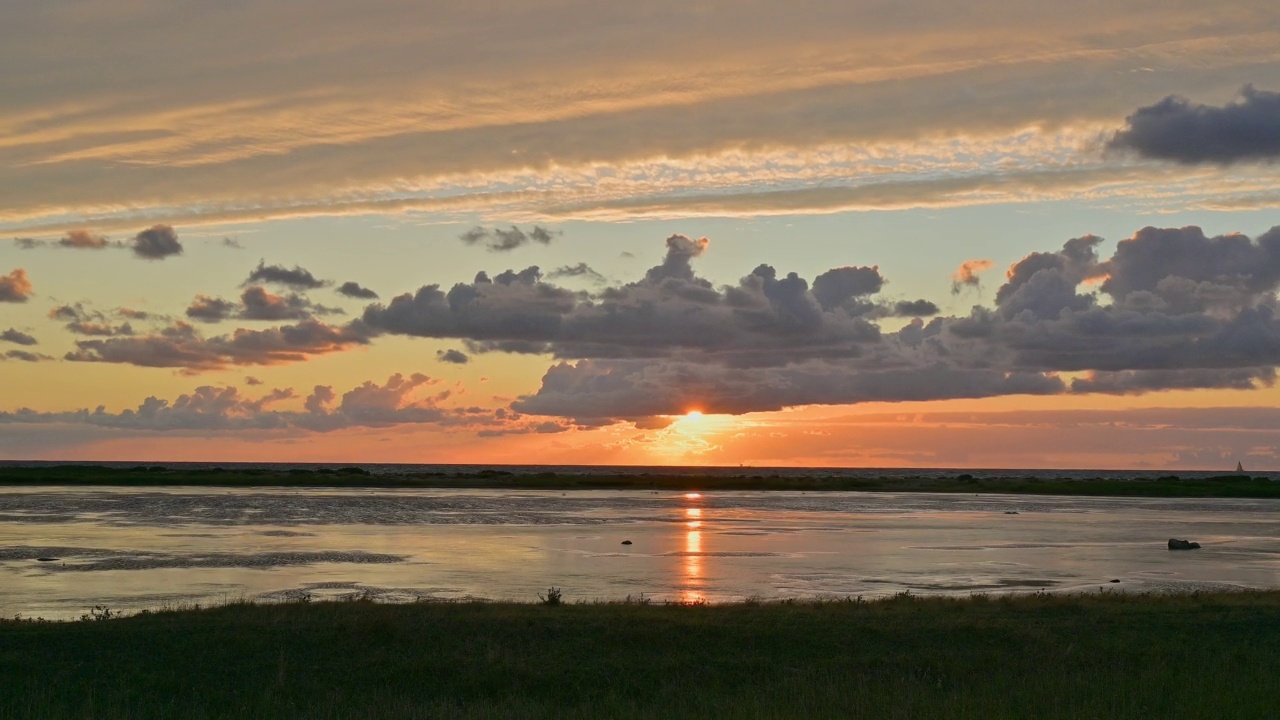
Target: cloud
{"x":83,"y":240}
{"x":1175,"y":129}
{"x":296,"y":278}
{"x":232,"y":243}
{"x":401,"y":400}
{"x":156,"y":243}
{"x":669,"y":310}
{"x":1171,"y":308}
{"x":15,"y":287}
{"x":180,"y":346}
{"x":81,"y":320}
{"x":251,"y":380}
{"x":20,"y":338}
{"x":452,"y":356}
{"x":501,"y":240}
{"x":257,"y":303}
{"x":354,"y":290}
{"x":24,"y":356}
{"x":967,"y":275}
{"x":579,"y":270}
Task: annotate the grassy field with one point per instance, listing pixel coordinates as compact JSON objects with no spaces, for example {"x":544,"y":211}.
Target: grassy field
{"x":1097,"y":656}
{"x":1224,"y":486}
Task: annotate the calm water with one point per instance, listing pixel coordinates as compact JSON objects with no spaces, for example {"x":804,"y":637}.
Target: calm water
{"x":131,"y":549}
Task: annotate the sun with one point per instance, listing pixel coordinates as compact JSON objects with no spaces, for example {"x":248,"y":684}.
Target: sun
{"x":693,"y":414}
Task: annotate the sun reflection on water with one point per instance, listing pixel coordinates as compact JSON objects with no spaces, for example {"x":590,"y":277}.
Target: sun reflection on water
{"x":692,"y":570}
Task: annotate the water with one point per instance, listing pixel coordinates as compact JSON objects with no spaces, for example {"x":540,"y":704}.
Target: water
{"x":131,"y":549}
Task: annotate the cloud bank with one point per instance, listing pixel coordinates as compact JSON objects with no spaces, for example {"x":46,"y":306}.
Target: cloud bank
{"x":1175,"y":129}
{"x":1170,"y":309}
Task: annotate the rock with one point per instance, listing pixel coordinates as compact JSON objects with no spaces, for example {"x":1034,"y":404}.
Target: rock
{"x":46,"y":559}
{"x":626,"y":542}
{"x":1175,"y":544}
{"x":1010,"y":512}
{"x":1114,"y":581}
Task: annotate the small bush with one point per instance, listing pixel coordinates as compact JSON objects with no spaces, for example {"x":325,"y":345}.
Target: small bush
{"x":553,"y":597}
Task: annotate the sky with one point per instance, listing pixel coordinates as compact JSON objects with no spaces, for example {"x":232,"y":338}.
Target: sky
{"x":723,"y":232}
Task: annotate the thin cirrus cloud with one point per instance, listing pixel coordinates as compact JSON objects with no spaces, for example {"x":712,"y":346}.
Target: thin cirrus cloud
{"x":1175,"y":129}
{"x":611,"y":110}
{"x":1172,"y":309}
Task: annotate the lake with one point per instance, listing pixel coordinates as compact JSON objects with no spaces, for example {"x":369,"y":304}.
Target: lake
{"x":133,"y":549}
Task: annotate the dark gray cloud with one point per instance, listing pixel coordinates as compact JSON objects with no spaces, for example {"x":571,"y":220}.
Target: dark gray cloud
{"x":1169,"y":309}
{"x":1175,"y":129}
{"x":581,"y":270}
{"x":456,"y":357}
{"x":669,"y":310}
{"x":914,"y":308}
{"x":26,"y":243}
{"x":257,"y":303}
{"x":251,"y":380}
{"x":19,"y":338}
{"x":180,"y":346}
{"x":15,"y":287}
{"x":232,"y":243}
{"x":354,"y":290}
{"x":82,"y":320}
{"x":25,"y":356}
{"x":295,"y":277}
{"x":156,"y":243}
{"x":501,"y":240}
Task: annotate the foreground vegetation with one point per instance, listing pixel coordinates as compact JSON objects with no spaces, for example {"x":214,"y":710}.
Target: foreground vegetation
{"x":1223,"y":486}
{"x":1104,"y":655}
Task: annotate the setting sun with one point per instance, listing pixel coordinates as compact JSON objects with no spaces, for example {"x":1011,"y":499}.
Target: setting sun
{"x":693,"y":414}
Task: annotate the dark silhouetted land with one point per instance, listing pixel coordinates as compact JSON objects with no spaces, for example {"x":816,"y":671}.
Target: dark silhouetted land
{"x":1223,"y":486}
{"x":1103,"y":655}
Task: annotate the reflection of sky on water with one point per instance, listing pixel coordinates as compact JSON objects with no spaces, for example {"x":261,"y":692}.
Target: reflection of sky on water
{"x":131,"y":549}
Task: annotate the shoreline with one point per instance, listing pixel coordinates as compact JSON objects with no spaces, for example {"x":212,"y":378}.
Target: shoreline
{"x":1167,"y":486}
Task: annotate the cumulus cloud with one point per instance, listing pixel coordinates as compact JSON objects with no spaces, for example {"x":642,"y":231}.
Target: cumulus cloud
{"x":19,"y":338}
{"x":670,"y":309}
{"x":156,"y":243}
{"x":295,"y":277}
{"x":251,"y":380}
{"x":15,"y":287}
{"x":967,"y":275}
{"x":501,"y":240}
{"x":456,"y":357}
{"x":1171,"y":308}
{"x":181,"y":346}
{"x":1175,"y":129}
{"x":415,"y":399}
{"x":257,"y":303}
{"x":354,"y":290}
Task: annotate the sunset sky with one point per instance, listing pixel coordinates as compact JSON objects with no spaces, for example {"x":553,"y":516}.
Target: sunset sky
{"x":847,"y":232}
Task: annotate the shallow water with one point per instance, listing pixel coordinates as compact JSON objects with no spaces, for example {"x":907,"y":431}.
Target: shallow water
{"x":131,"y":549}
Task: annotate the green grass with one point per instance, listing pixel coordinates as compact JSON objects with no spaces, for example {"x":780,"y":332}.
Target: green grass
{"x":1104,"y":655}
{"x":1224,"y":486}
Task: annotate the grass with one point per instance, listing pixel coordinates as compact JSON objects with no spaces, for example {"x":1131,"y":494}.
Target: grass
{"x":1106,"y":655}
{"x":1223,"y":486}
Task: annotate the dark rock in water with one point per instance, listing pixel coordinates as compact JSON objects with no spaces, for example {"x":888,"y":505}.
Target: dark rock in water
{"x":46,"y":559}
{"x":1113,"y":581}
{"x":1175,"y":544}
{"x":1010,"y":512}
{"x":626,"y":542}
